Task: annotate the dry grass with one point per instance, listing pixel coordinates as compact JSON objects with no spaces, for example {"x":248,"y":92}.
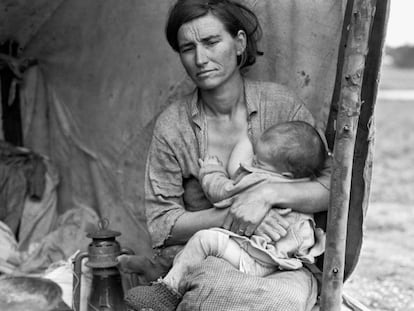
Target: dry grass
{"x":384,"y":278}
{"x":393,"y":171}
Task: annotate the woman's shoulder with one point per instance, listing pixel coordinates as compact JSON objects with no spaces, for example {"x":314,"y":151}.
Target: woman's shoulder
{"x":273,"y":89}
{"x":174,"y":116}
{"x":172,"y":110}
{"x":272,"y":95}
{"x":276,"y":102}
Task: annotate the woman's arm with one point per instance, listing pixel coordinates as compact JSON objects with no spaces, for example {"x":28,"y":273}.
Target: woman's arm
{"x":175,"y":205}
{"x":191,"y":222}
{"x":306,"y":197}
{"x":249,"y":208}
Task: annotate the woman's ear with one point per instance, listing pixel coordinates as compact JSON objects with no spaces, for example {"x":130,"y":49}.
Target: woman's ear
{"x":241,"y":42}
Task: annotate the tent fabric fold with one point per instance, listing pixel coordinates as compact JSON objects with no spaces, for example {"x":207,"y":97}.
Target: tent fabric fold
{"x":104,"y":71}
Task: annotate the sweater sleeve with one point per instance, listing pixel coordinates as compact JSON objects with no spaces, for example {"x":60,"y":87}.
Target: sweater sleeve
{"x":163,"y":191}
{"x":215,"y":182}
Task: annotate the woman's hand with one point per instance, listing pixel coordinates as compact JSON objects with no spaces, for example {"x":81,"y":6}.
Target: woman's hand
{"x":247,"y":211}
{"x":274,"y":226}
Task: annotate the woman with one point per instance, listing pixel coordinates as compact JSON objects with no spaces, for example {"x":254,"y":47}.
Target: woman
{"x":216,"y":40}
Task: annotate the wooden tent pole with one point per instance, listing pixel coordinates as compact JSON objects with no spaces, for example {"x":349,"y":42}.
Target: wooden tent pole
{"x":346,"y":128}
{"x":363,"y":154}
{"x":330,"y":126}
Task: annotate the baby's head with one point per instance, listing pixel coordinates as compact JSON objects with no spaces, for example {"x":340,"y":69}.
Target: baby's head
{"x":292,"y":148}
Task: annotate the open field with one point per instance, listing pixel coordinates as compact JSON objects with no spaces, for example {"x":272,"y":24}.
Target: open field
{"x":395,"y":78}
{"x":384,"y":277}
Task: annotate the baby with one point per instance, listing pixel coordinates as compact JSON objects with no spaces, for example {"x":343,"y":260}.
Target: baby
{"x":287,"y":152}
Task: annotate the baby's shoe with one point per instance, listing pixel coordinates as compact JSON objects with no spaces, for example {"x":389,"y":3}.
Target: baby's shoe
{"x":158,"y":297}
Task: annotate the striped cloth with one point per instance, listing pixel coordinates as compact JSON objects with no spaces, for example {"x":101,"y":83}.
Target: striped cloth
{"x":216,"y":285}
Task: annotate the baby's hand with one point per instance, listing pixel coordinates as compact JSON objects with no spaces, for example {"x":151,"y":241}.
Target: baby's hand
{"x":210,"y":160}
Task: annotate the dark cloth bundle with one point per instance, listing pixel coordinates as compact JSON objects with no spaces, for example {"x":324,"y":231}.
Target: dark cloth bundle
{"x":22,"y":174}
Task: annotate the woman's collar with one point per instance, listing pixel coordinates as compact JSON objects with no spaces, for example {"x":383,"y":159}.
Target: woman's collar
{"x":251,"y":95}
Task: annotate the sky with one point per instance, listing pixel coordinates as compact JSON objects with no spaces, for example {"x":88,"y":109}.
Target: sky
{"x":400,"y":28}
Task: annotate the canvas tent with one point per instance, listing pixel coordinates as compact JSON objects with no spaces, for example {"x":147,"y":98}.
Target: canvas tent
{"x":101,"y":71}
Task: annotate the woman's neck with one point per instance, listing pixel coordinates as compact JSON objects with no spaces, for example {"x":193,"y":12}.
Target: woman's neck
{"x":224,"y":100}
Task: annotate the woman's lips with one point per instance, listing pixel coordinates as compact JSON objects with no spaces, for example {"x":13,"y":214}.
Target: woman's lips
{"x":204,"y":73}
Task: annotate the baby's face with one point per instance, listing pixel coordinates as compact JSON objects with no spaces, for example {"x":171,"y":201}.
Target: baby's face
{"x":260,"y":159}
{"x":262,"y":165}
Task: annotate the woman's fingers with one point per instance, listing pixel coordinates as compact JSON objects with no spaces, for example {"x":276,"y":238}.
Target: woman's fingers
{"x":234,"y":224}
{"x":224,"y":203}
{"x":274,"y":232}
{"x":277,"y":215}
{"x":238,"y":227}
{"x":235,"y":228}
{"x":283,"y":223}
{"x":244,"y":215}
{"x":228,"y":221}
{"x":248,"y":212}
{"x":273,"y":225}
{"x":249,"y":230}
{"x":284,"y":211}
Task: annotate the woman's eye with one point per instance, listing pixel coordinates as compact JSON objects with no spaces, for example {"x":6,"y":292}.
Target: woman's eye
{"x":211,"y":43}
{"x":186,"y":49}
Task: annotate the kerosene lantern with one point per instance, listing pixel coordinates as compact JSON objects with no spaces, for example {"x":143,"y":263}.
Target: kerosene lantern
{"x":107,"y":293}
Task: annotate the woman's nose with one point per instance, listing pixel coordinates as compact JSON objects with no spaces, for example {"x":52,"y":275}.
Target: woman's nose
{"x":201,"y":57}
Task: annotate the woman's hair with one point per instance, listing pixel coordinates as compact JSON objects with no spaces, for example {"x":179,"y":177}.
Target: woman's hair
{"x":234,"y":16}
{"x":296,"y":146}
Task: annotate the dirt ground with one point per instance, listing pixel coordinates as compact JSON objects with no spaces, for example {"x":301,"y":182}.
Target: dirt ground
{"x":384,"y":277}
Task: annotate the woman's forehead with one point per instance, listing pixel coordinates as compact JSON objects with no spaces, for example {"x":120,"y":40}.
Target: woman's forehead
{"x":201,"y":28}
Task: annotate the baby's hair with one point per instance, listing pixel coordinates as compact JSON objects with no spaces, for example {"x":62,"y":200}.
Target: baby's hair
{"x":296,"y":146}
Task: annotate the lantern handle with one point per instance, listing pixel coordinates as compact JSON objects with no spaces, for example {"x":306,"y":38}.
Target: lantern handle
{"x":103,"y":223}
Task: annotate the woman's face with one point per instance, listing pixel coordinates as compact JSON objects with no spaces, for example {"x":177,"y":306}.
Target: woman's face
{"x":208,"y":51}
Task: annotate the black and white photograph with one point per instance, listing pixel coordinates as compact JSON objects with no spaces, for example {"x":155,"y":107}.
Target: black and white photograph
{"x":211,"y":155}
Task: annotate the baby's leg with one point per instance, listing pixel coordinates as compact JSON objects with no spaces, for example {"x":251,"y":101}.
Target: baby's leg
{"x":251,"y":266}
{"x":204,"y":243}
{"x":164,"y":295}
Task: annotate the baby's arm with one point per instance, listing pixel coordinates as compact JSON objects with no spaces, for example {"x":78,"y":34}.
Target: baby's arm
{"x":211,"y":160}
{"x":214,"y":179}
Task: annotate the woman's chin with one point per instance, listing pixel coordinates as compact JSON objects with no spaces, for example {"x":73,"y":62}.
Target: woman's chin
{"x":211,"y":83}
{"x":207,"y":84}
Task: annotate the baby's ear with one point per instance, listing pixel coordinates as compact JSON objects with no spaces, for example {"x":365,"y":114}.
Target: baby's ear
{"x":287,"y":174}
